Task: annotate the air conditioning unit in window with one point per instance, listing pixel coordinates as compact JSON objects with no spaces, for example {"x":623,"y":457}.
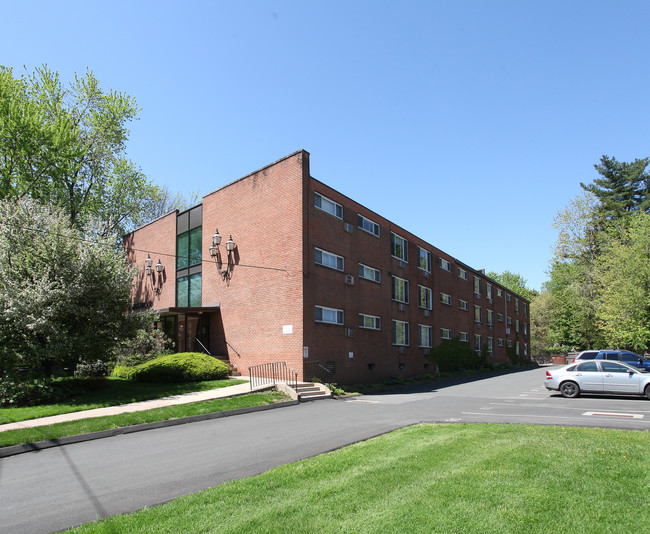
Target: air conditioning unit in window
{"x":427,"y":313}
{"x":426,"y":274}
{"x":491,"y":328}
{"x":402,"y":350}
{"x":489,"y":301}
{"x":349,"y":332}
{"x":402,"y":307}
{"x":349,"y":279}
{"x":348,"y":227}
{"x":507,"y":331}
{"x":401,"y":264}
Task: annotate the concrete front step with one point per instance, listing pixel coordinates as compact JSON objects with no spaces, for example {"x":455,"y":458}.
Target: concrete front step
{"x":311,"y":391}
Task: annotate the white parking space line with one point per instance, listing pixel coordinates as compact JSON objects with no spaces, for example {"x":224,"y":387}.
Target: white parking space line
{"x":363,"y":401}
{"x":612,"y":414}
{"x":531,"y":416}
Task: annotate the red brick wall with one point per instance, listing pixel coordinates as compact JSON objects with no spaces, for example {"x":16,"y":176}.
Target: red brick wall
{"x":326,"y":287}
{"x":157,"y":239}
{"x":263,"y":213}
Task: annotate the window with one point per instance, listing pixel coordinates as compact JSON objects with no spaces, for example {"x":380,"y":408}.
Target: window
{"x":490,"y":317}
{"x":463,"y":305}
{"x":328,"y":206}
{"x":499,"y":292}
{"x":400,"y":290}
{"x":371,"y":322}
{"x":329,"y":315}
{"x":462,"y":273}
{"x":525,"y":349}
{"x":368,"y":225}
{"x":500,"y":317}
{"x":445,"y":265}
{"x":400,"y":333}
{"x":490,"y":345}
{"x":327,"y":259}
{"x":488,"y":290}
{"x":477,"y":314}
{"x":517,"y":326}
{"x":369,"y":273}
{"x":500,"y":342}
{"x":477,"y":286}
{"x":445,"y":299}
{"x":516,"y":305}
{"x":188,"y":291}
{"x":188,"y":248}
{"x":463,"y":336}
{"x":510,"y":321}
{"x":399,"y":247}
{"x":508,"y":297}
{"x":525,"y":310}
{"x":425,"y":335}
{"x":445,"y":333}
{"x":588,"y":367}
{"x":424,"y":297}
{"x":509,"y":343}
{"x":525,"y":329}
{"x":424,"y":259}
{"x":477,"y":342}
{"x":517,"y":348}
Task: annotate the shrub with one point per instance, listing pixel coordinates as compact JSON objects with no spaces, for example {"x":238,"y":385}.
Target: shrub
{"x":452,"y":355}
{"x":147,"y":343}
{"x":28,"y":392}
{"x":181,"y":367}
{"x":95,"y":369}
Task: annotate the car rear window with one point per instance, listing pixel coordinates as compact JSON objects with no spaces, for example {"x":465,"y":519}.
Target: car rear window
{"x":588,"y":367}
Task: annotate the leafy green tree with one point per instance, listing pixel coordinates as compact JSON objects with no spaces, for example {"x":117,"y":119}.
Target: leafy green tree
{"x":542,"y":310}
{"x":623,"y":282}
{"x":65,"y":146}
{"x":62,"y":298}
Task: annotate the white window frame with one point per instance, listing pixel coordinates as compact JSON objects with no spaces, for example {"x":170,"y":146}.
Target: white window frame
{"x":363,"y":323}
{"x":445,"y":265}
{"x":500,"y":317}
{"x":489,"y":317}
{"x":327,"y":205}
{"x":339,"y":261}
{"x":426,"y":343}
{"x":478,"y":342}
{"x":396,"y":240}
{"x":500,"y":342}
{"x":499,"y":292}
{"x":516,"y":305}
{"x":426,"y":292}
{"x":478,"y":314}
{"x":445,"y":333}
{"x":405,"y":287}
{"x":365,"y":269}
{"x":477,"y":286}
{"x":490,"y":345}
{"x":405,"y":333}
{"x":463,"y":336}
{"x":365,"y":224}
{"x":445,"y":298}
{"x":425,"y":255}
{"x":488,"y":291}
{"x":462,"y":274}
{"x":338,"y":320}
{"x":463,"y":305}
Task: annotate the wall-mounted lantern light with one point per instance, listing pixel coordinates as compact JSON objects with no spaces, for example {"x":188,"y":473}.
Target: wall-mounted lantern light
{"x":150,"y":272}
{"x":215,"y":253}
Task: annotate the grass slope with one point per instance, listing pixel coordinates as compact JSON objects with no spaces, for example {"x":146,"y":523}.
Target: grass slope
{"x":431,"y":478}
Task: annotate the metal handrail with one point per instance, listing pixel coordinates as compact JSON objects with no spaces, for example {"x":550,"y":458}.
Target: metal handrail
{"x":203,"y":346}
{"x":315,"y":369}
{"x":272,"y":373}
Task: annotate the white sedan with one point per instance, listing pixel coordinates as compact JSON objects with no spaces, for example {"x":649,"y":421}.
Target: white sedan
{"x":598,"y":376}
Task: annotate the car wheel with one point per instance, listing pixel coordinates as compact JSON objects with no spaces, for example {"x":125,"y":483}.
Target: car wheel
{"x":570,"y":390}
{"x":647,"y":391}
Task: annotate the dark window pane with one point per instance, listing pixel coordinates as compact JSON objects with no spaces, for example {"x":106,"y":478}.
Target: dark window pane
{"x":194,"y":251}
{"x":182,"y":249}
{"x":195,"y":290}
{"x":182,"y":286}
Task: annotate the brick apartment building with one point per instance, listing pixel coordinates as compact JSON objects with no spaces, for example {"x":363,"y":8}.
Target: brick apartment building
{"x":301,"y":274}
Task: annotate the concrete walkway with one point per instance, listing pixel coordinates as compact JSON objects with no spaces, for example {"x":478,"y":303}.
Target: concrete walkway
{"x":186,"y":398}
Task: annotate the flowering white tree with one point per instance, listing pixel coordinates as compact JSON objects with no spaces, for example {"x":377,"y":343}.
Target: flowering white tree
{"x":63,"y":298}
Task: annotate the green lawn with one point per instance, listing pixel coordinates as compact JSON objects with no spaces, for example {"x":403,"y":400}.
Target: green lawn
{"x":83,"y":426}
{"x":117,"y":391}
{"x":431,"y":478}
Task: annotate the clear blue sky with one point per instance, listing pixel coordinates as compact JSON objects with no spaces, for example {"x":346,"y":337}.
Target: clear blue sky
{"x":469,"y":123}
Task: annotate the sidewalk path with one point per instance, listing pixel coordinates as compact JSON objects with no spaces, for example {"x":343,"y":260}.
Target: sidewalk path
{"x":186,"y":398}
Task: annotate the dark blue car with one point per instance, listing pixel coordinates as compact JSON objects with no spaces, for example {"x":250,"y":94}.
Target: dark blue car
{"x":623,"y":356}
